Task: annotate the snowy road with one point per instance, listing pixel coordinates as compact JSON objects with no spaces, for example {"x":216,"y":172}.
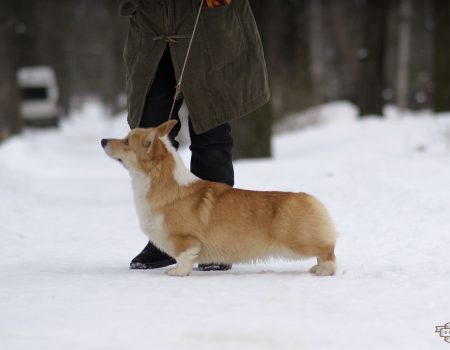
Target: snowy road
{"x":68,"y":230}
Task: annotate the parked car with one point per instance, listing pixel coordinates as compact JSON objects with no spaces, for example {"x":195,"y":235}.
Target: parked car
{"x":39,"y":96}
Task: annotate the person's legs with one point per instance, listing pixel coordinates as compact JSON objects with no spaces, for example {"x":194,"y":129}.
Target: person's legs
{"x":212,"y":160}
{"x":156,"y":111}
{"x":211,"y":152}
{"x":160,"y":97}
{"x":212,"y":157}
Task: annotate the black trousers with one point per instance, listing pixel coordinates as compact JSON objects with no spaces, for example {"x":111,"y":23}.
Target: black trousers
{"x":212,"y":150}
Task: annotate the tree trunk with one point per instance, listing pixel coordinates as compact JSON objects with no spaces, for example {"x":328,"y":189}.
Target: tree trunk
{"x":252,"y":134}
{"x":404,"y":55}
{"x":10,"y":122}
{"x":371,"y":59}
{"x":442,"y":56}
{"x":316,"y":51}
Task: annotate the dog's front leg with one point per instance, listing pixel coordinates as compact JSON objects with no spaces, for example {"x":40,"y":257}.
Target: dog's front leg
{"x":187,"y":249}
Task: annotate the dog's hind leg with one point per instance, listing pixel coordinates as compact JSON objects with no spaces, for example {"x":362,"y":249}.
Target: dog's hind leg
{"x":187,"y":249}
{"x":326,"y":264}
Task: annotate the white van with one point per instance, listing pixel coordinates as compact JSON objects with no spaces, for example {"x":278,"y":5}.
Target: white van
{"x":39,"y":96}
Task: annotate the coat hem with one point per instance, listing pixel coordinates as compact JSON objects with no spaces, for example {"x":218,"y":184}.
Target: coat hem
{"x":218,"y":119}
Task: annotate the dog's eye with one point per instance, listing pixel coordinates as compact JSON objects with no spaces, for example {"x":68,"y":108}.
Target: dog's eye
{"x":125,"y":142}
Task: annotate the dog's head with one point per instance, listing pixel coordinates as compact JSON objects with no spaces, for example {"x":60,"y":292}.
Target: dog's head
{"x":141,"y":148}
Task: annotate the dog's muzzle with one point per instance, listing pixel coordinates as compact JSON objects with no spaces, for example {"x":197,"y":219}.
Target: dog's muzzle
{"x":104,"y":143}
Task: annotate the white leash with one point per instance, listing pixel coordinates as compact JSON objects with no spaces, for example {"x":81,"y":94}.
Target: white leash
{"x":178,"y":86}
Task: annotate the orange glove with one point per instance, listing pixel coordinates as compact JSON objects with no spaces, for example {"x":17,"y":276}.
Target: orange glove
{"x":216,"y":3}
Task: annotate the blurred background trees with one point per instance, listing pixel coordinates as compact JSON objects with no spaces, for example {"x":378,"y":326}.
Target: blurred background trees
{"x":369,"y":52}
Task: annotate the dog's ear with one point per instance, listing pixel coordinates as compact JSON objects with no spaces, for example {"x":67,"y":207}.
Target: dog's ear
{"x":148,"y":140}
{"x":165,"y":128}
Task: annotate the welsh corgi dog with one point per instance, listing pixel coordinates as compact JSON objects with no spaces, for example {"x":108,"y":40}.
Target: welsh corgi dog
{"x":197,"y":221}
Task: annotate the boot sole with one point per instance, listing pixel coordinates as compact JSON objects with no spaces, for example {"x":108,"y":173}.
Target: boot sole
{"x":153,"y":265}
{"x":214,"y":267}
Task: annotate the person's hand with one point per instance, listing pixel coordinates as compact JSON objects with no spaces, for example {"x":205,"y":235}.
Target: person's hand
{"x":216,"y":3}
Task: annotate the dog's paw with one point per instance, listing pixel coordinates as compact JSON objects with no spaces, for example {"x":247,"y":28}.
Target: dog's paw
{"x":175,"y":271}
{"x":323,"y":269}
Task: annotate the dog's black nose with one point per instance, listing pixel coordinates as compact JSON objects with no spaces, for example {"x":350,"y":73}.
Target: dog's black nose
{"x":104,"y":142}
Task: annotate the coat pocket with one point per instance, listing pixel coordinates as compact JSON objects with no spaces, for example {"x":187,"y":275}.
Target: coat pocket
{"x":127,"y":8}
{"x":132,"y":45}
{"x":223,"y":35}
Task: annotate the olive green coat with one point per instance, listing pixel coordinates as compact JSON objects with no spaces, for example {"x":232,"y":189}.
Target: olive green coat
{"x":225,"y":76}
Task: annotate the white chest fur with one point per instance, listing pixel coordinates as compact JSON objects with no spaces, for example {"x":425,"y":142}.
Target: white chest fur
{"x":151,"y":224}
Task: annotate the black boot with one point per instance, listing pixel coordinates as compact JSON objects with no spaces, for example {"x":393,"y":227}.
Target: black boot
{"x":214,"y":267}
{"x":151,"y":258}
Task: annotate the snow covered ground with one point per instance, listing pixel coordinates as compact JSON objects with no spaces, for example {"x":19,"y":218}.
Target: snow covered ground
{"x":68,"y":230}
